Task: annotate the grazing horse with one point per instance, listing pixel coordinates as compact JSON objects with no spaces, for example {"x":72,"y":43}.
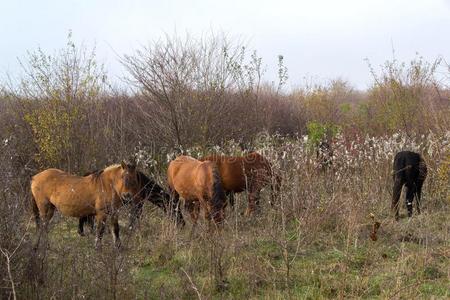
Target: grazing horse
{"x":148,"y":190}
{"x":100,"y":194}
{"x":199,"y":184}
{"x":251,"y":172}
{"x":410,"y":170}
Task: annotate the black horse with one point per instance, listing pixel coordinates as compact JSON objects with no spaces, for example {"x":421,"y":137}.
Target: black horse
{"x":410,"y":170}
{"x":151,"y":191}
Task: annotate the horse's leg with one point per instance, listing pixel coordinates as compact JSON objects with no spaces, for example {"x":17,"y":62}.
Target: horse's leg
{"x":85,"y":220}
{"x":253,"y":198}
{"x":35,"y":208}
{"x":114,"y":225}
{"x":47,"y":214}
{"x":193,"y":208}
{"x":210,"y":213}
{"x":91,"y":222}
{"x":100,"y":219}
{"x":175,"y":209}
{"x":136,"y":211}
{"x":43,"y":211}
{"x":231,"y":199}
{"x":396,"y":196}
{"x":81,"y":222}
{"x":215,"y":214}
{"x":251,"y":204}
{"x":410,"y":192}
{"x":208,"y":209}
{"x":195,"y":212}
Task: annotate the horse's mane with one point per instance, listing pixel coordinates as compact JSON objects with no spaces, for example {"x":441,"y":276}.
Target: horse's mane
{"x":149,"y":187}
{"x":97,"y":173}
{"x":111,"y":167}
{"x":150,"y":190}
{"x":145,"y":182}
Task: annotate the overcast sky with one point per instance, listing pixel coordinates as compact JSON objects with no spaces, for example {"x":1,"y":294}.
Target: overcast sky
{"x":322,"y":39}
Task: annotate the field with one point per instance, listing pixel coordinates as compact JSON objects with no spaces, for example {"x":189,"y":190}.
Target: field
{"x":316,"y":242}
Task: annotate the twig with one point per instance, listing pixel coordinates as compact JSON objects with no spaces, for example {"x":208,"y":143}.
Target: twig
{"x":9,"y":255}
{"x":193,"y":284}
{"x":8,"y":265}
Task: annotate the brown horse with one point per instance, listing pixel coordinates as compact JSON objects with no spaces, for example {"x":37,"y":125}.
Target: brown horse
{"x":251,"y":172}
{"x":148,"y":190}
{"x":100,"y":194}
{"x":199,"y":184}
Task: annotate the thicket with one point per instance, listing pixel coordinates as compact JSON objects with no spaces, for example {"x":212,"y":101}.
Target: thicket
{"x":191,"y":92}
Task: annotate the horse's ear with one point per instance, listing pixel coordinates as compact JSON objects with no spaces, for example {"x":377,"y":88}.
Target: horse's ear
{"x":132,"y":164}
{"x":123,"y":164}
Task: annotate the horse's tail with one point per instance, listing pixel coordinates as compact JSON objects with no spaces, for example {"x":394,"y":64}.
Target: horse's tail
{"x":34,"y":207}
{"x":218,"y":195}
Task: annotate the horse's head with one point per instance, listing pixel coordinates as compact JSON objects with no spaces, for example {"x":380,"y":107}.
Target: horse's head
{"x":129,"y":187}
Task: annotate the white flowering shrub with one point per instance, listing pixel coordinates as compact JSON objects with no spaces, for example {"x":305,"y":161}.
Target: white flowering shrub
{"x":291,"y":154}
{"x":360,"y":176}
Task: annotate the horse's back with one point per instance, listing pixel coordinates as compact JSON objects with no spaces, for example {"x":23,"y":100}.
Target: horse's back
{"x":180,"y":175}
{"x":255,"y":160}
{"x":47,"y":174}
{"x":190,"y":177}
{"x":231,"y":171}
{"x":42,"y":179}
{"x":57,"y":178}
{"x":180,"y":166}
{"x":236,"y":171}
{"x":72,"y":195}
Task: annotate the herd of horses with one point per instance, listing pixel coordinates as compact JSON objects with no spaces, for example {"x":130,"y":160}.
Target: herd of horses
{"x":204,"y":184}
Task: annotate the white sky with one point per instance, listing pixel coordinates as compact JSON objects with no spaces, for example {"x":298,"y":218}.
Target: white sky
{"x":323,"y":39}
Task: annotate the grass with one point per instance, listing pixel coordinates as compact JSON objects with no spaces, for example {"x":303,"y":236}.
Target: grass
{"x":175,"y":266}
{"x":382,"y":269}
{"x":410,"y":259}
